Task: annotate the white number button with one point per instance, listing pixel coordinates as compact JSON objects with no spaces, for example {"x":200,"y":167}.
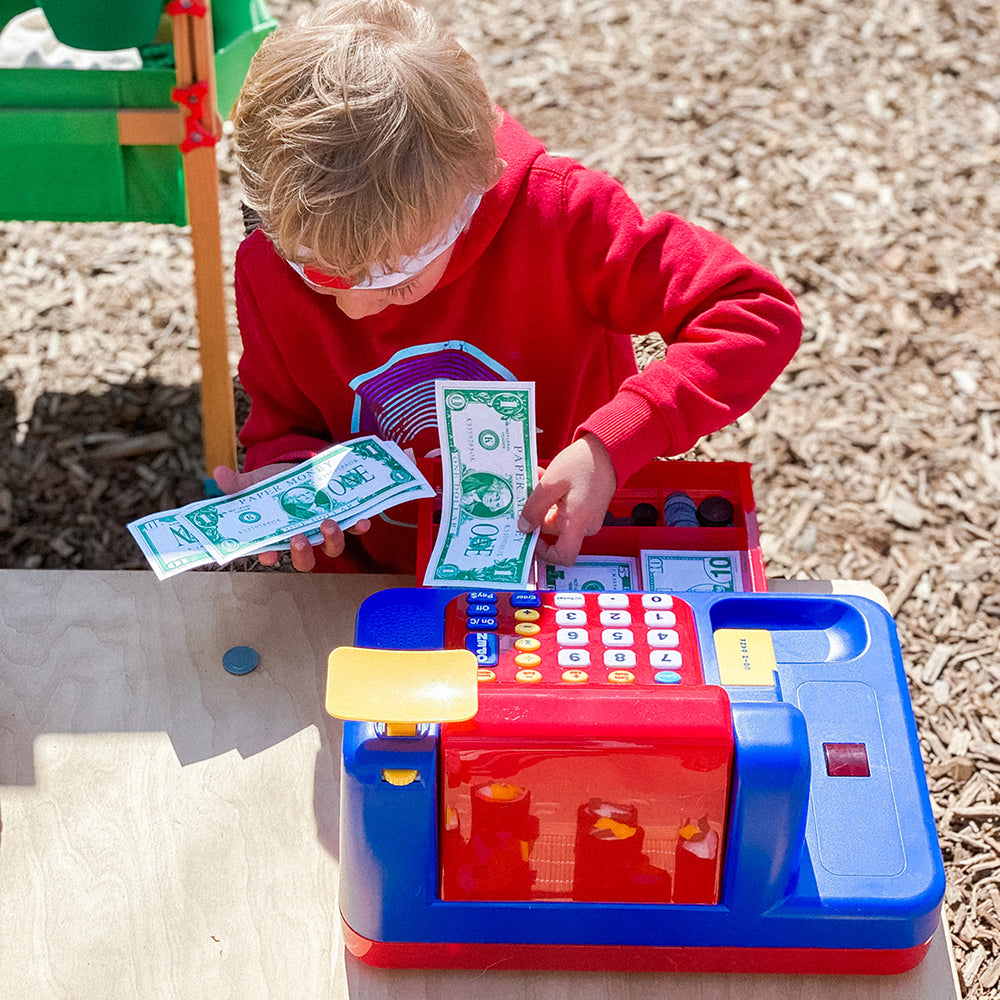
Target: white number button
{"x":617,"y":637}
{"x":612,"y":618}
{"x":665,"y":658}
{"x":619,"y":659}
{"x":660,"y":619}
{"x":574,"y":658}
{"x":663,"y":638}
{"x":572,"y":637}
{"x":657,"y":601}
{"x":571,"y":616}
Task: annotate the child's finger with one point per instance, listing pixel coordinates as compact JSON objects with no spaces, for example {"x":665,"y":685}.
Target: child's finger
{"x":536,"y":508}
{"x":333,"y":538}
{"x":564,"y":551}
{"x":361,"y":527}
{"x":227,"y":479}
{"x":552,"y":523}
{"x":303,"y":557}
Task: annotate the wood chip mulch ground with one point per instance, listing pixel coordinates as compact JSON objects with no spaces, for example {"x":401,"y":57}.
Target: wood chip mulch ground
{"x":852,"y":147}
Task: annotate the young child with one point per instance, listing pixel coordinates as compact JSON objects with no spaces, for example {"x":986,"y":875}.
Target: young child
{"x":410,"y":231}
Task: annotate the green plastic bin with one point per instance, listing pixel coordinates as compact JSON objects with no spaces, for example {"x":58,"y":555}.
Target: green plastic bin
{"x":59,"y":127}
{"x":119,"y":24}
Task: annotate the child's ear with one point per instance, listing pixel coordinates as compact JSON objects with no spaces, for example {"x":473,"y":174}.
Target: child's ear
{"x":499,"y":166}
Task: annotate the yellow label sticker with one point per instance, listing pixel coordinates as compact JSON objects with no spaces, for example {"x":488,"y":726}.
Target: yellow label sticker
{"x":746,"y":657}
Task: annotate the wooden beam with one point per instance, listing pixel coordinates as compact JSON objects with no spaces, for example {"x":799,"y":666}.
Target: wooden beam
{"x":150,"y":127}
{"x":194,"y":53}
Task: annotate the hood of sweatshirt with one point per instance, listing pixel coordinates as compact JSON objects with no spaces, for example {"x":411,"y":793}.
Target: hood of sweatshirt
{"x":519,"y":150}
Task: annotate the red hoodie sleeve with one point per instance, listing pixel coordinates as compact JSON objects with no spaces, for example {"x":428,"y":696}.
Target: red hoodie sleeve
{"x":283,"y":425}
{"x":729,"y":326}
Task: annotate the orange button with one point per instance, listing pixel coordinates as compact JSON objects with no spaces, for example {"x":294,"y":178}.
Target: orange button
{"x":527,"y":628}
{"x":527,"y":676}
{"x":526,"y":615}
{"x":484,"y":675}
{"x":528,"y":660}
{"x":575,"y":676}
{"x":621,"y":677}
{"x":527,"y":645}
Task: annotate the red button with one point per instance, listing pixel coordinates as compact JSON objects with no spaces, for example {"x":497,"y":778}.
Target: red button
{"x":846,"y":760}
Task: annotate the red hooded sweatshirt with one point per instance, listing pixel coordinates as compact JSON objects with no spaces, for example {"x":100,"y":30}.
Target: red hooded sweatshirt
{"x":555,"y":273}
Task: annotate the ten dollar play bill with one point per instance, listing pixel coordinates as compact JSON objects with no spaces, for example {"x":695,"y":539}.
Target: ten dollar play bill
{"x":680,"y":570}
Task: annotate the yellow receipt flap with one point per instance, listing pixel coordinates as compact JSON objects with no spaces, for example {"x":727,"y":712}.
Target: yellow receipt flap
{"x":402,"y":685}
{"x":746,"y":657}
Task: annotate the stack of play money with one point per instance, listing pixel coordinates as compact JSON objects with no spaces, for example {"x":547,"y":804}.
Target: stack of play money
{"x":346,"y":483}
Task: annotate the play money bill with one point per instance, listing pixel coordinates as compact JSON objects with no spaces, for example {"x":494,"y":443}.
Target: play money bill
{"x":681,"y":570}
{"x":169,"y":545}
{"x":591,"y":573}
{"x":346,"y":483}
{"x":489,"y":466}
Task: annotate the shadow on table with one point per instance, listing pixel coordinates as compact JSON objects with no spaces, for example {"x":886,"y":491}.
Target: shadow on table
{"x":120,"y":652}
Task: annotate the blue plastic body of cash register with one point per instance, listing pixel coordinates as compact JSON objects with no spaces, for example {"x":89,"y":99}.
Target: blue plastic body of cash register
{"x":754,"y":801}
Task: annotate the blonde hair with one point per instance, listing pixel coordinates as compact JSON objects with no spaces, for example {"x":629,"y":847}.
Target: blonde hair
{"x":360,"y":130}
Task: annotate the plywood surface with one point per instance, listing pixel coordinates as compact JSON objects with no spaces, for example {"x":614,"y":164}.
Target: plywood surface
{"x":170,"y":830}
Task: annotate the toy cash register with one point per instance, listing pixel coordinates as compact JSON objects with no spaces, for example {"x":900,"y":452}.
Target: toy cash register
{"x":717,"y":781}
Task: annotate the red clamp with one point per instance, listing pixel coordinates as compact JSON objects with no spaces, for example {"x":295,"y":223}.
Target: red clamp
{"x":195,"y":135}
{"x":192,"y":100}
{"x":194,"y":8}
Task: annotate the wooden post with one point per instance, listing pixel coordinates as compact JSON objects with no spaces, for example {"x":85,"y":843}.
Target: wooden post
{"x":195,"y":58}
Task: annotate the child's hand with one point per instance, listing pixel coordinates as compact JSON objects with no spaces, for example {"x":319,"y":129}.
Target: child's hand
{"x":571,"y":499}
{"x":303,"y":557}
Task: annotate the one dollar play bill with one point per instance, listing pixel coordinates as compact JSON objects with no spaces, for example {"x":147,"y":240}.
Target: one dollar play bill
{"x":591,"y":573}
{"x":680,"y":570}
{"x":489,"y":466}
{"x":169,"y":545}
{"x":347,"y":482}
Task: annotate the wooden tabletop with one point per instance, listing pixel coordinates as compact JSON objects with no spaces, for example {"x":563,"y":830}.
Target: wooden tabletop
{"x":171,"y":830}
